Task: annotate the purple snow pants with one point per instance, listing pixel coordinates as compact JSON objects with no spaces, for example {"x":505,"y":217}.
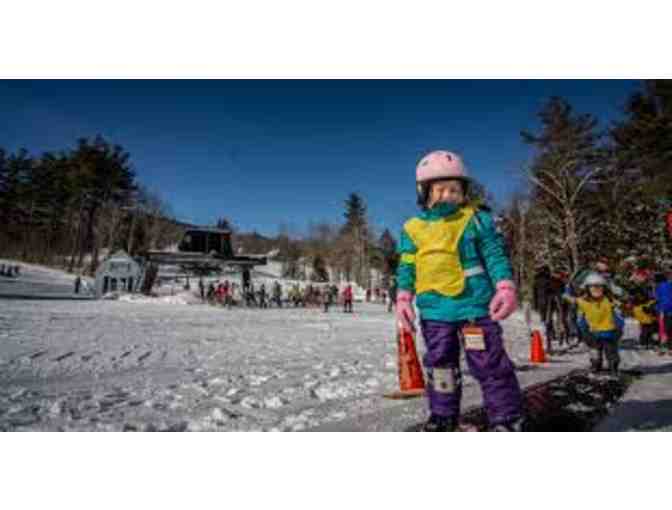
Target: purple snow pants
{"x":491,"y":367}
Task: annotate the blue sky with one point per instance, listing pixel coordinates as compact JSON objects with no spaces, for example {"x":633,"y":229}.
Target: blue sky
{"x":269,"y":152}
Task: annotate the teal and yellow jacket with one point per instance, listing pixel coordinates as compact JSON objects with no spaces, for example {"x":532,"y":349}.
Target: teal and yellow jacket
{"x":452,"y":258}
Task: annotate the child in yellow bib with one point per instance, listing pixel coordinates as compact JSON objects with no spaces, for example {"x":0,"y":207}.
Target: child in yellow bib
{"x":455,"y":267}
{"x":644,"y":312}
{"x":601,"y":325}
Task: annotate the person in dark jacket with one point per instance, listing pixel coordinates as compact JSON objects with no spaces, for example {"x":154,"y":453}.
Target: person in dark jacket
{"x":262,"y":297}
{"x":277,"y":294}
{"x":347,"y":299}
{"x":326,"y":298}
{"x":201,"y":288}
{"x":546,"y":301}
{"x":392,"y":294}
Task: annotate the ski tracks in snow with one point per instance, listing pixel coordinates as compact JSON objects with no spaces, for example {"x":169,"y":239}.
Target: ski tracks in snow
{"x":106,"y":365}
{"x":129,"y":366}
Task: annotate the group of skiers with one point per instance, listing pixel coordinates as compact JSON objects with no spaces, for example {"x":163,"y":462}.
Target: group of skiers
{"x":591,"y":308}
{"x":229,"y":294}
{"x":455,"y":268}
{"x":10,"y":270}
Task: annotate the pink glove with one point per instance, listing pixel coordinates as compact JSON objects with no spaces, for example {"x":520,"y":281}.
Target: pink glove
{"x":505,"y":302}
{"x":404,"y":311}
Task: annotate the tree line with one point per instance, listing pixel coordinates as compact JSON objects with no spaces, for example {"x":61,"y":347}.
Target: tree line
{"x":350,"y":250}
{"x":66,"y":208}
{"x":591,"y":191}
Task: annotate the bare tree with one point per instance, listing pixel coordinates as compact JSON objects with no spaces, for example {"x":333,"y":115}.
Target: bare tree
{"x":562,"y":185}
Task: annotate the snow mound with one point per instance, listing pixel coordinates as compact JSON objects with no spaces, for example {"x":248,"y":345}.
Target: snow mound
{"x":182,"y":298}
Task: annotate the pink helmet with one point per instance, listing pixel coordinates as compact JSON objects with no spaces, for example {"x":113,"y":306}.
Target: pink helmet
{"x":440,"y":165}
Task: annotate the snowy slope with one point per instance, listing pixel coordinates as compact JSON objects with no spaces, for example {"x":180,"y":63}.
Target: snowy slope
{"x":647,"y":405}
{"x":40,"y":280}
{"x":159,"y":364}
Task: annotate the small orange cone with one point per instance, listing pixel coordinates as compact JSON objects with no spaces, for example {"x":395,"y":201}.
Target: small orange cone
{"x":537,"y":354}
{"x":411,"y":380}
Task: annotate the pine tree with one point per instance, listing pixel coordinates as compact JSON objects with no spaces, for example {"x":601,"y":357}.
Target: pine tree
{"x":355,"y":213}
{"x":355,"y":239}
{"x":388,"y":248}
{"x":643,"y":141}
{"x":641,"y":149}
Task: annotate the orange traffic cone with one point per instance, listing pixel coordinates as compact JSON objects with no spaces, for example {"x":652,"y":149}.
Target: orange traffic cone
{"x":537,"y":354}
{"x":411,"y":380}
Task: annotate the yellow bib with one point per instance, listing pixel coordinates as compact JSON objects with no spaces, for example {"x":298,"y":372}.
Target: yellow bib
{"x":437,"y":260}
{"x":641,"y":316}
{"x":599,"y":314}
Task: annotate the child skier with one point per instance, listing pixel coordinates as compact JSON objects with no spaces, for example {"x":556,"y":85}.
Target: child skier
{"x":601,"y":326}
{"x":644,"y":312}
{"x":454,"y":263}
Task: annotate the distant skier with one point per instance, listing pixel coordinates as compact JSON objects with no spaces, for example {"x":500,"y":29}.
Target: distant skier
{"x":326,"y":298}
{"x":201,"y":288}
{"x":250,"y":296}
{"x":308,"y":296}
{"x":228,"y":294}
{"x":78,"y":284}
{"x":347,"y":299}
{"x":277,"y":294}
{"x":262,"y":296}
{"x":454,"y":259}
{"x":235,"y":295}
{"x":392,"y":294}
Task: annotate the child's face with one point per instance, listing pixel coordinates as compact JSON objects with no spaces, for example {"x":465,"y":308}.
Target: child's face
{"x":596,"y":291}
{"x":448,"y":191}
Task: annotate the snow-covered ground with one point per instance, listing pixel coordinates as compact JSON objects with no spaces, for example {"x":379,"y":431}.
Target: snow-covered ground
{"x":36,"y":280}
{"x":165,"y":364}
{"x":647,"y":404}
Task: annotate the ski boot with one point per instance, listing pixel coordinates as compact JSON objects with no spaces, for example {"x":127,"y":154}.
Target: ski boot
{"x":515,"y":425}
{"x":438,"y":423}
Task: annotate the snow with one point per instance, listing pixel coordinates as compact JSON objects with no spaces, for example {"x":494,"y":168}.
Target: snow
{"x":647,"y":404}
{"x":173,"y":363}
